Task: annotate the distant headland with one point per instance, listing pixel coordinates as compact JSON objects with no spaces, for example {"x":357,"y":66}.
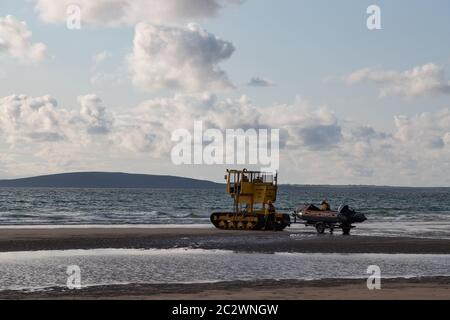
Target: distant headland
{"x":108,"y":180}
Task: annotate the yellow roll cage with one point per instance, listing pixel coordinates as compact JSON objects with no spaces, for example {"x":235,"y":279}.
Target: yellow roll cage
{"x":250,"y":189}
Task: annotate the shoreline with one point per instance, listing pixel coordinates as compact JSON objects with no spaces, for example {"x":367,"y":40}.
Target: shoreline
{"x":437,"y":288}
{"x":36,"y":239}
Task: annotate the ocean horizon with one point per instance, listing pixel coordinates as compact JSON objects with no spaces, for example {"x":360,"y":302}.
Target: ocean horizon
{"x":422,"y":212}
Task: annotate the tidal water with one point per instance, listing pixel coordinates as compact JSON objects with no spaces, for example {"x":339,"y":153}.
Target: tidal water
{"x":42,"y":270}
{"x":422,"y":212}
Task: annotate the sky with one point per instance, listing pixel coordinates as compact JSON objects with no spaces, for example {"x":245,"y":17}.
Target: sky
{"x":353,"y":105}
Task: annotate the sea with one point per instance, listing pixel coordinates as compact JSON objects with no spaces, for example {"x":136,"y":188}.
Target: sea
{"x":404,"y":212}
{"x":391,"y":212}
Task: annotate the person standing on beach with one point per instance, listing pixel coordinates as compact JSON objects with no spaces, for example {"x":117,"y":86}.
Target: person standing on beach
{"x":270,"y":218}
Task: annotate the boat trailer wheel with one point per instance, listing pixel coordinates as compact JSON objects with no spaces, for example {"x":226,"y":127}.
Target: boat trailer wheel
{"x":320,"y":227}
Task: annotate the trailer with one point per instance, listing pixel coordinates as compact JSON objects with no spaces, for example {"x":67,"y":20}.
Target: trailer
{"x":322,"y":220}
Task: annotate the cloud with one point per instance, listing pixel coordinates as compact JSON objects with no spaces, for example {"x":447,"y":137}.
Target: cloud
{"x":39,"y":120}
{"x":424,"y":131}
{"x":301,"y":125}
{"x":316,"y":146}
{"x":178,"y":58}
{"x":112,"y":13}
{"x":94,"y":114}
{"x":320,"y":136}
{"x":304,"y":125}
{"x":260,"y":82}
{"x":24,"y":119}
{"x":100,"y":57}
{"x":148,"y":127}
{"x":15,"y":41}
{"x":429,"y":79}
{"x":368,"y":133}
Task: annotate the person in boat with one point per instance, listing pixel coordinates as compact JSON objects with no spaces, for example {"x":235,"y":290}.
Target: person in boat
{"x":325,"y":206}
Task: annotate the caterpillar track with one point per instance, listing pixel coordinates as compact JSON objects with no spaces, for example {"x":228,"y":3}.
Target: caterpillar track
{"x":251,"y":222}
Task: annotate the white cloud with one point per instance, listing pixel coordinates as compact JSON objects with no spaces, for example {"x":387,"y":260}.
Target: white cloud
{"x":260,"y":82}
{"x":424,"y":131}
{"x":316,"y":146}
{"x":446,"y":138}
{"x":422,"y":80}
{"x":130,"y":12}
{"x":94,"y":114}
{"x":178,"y":58}
{"x":302,"y":126}
{"x":148,"y":127}
{"x":15,"y":41}
{"x":24,"y":119}
{"x":39,"y":120}
{"x":307,"y":126}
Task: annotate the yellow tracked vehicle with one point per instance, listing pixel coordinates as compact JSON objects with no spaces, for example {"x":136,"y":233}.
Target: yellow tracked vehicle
{"x":253,"y":193}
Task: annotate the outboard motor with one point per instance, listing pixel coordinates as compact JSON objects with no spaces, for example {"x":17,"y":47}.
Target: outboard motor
{"x":349,"y":215}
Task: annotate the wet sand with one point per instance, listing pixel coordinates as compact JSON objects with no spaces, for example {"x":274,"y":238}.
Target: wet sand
{"x":391,"y":289}
{"x":210,"y":238}
{"x":28,"y":239}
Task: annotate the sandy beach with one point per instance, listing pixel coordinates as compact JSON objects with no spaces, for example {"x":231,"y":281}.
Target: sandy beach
{"x":29,"y":239}
{"x":392,"y":289}
{"x":33,"y":239}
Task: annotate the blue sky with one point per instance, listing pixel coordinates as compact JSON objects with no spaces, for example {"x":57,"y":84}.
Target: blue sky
{"x":298,"y":44}
{"x":306,"y":48}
